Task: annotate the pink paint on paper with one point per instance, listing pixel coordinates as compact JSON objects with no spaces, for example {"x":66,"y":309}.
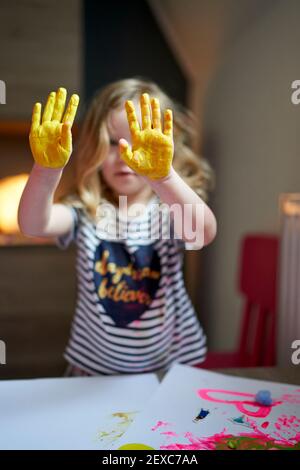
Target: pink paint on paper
{"x":291,"y":398}
{"x":257,"y":439}
{"x":160,"y":424}
{"x":196,"y":443}
{"x":259,"y":412}
{"x":223,"y":440}
{"x":287,"y":425}
{"x":283,"y":426}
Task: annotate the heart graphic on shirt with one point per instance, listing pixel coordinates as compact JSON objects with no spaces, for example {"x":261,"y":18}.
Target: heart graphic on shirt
{"x":126,"y":283}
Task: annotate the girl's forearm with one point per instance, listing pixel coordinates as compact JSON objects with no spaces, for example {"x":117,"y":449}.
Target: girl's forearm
{"x":173,"y":190}
{"x":37,"y":200}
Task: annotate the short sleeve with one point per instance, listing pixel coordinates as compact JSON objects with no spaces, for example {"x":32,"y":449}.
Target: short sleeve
{"x":65,"y":240}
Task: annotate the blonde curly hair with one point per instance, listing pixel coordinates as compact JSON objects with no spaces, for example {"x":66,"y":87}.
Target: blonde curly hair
{"x":89,"y":187}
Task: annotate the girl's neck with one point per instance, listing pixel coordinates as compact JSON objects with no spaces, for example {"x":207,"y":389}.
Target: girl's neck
{"x":140,"y":198}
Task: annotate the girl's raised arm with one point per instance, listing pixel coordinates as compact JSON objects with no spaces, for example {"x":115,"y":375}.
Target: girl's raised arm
{"x":151,"y":156}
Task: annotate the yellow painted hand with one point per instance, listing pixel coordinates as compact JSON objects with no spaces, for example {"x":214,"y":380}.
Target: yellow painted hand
{"x":51,"y":140}
{"x":152,"y":150}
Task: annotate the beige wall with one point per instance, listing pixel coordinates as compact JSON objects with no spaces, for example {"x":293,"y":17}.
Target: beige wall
{"x":200,"y":33}
{"x":241,"y":58}
{"x":255,"y":133}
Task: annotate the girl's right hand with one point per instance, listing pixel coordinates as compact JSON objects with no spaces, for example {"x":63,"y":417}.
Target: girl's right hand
{"x":51,"y":140}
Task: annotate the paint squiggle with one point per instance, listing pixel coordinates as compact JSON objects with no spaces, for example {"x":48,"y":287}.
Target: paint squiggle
{"x":260,"y":412}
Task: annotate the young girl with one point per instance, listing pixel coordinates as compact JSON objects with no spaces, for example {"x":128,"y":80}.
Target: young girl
{"x":133,"y":313}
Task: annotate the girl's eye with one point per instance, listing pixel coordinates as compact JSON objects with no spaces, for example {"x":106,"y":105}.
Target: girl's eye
{"x":113,"y":142}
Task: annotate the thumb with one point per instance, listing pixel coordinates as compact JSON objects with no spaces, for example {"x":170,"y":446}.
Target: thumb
{"x":125,"y":151}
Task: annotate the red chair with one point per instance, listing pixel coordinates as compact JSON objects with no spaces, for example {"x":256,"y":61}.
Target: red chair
{"x":257,"y":283}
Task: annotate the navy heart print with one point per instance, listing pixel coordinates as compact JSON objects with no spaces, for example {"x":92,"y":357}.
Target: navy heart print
{"x":126,"y":283}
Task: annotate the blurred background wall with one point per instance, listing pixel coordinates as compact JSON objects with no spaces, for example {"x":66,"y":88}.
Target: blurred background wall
{"x":242,"y":57}
{"x":252,"y":132}
{"x":40,"y":49}
{"x":237,"y":60}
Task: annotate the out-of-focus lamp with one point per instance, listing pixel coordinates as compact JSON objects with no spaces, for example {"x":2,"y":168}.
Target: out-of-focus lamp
{"x":11,"y":189}
{"x":289,"y":288}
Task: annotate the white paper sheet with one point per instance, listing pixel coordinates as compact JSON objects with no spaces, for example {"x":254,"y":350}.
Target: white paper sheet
{"x":229,"y":416}
{"x":70,"y":413}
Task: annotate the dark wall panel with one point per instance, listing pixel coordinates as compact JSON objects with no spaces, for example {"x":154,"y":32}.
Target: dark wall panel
{"x":123,"y":40}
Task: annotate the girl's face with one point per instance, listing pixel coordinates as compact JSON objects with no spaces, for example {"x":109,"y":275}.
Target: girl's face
{"x":120,"y":178}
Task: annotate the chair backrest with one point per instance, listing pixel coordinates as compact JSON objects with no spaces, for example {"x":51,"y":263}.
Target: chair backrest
{"x":257,"y":283}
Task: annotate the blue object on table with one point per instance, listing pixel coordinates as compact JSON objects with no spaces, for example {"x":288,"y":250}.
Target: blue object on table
{"x":263,"y":397}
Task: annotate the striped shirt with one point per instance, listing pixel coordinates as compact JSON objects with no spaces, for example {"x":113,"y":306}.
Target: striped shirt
{"x":133,"y":313}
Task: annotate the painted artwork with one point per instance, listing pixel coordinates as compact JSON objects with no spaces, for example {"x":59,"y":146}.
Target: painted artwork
{"x":71,"y":413}
{"x":194,"y":409}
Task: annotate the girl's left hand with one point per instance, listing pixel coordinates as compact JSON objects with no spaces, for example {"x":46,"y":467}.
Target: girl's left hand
{"x":152,"y":149}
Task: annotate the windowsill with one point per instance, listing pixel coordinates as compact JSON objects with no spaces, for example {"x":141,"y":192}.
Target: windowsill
{"x":20,"y":240}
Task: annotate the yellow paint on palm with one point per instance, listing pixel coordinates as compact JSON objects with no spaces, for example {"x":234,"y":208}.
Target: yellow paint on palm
{"x":135,"y":447}
{"x":152,"y":149}
{"x":51,"y":139}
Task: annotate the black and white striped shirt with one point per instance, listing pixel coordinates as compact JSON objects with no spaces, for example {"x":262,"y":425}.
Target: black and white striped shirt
{"x":133,"y":313}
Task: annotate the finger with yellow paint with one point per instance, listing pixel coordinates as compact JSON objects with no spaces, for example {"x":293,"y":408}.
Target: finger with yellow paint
{"x":50,"y":135}
{"x":152,"y":149}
